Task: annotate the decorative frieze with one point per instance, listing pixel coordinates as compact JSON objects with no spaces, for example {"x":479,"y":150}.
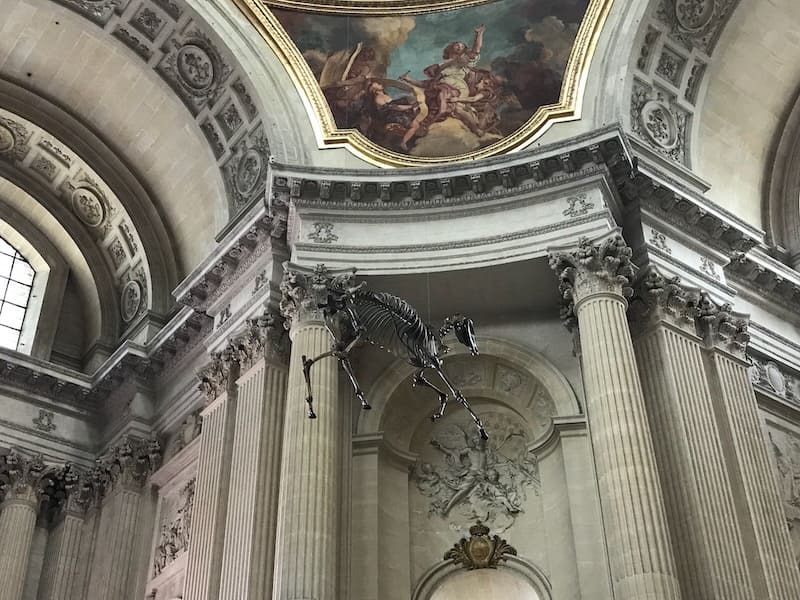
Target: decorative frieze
{"x":592,"y":268}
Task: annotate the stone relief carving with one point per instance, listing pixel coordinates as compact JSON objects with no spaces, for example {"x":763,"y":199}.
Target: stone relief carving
{"x":190,"y":428}
{"x":128,"y":463}
{"x":44,"y":422}
{"x":659,"y":240}
{"x":130,"y":300}
{"x":578,"y":206}
{"x":176,"y":533}
{"x":786,"y":450}
{"x":475,"y":480}
{"x":657,"y":119}
{"x":323,"y":233}
{"x":246,"y":170}
{"x":768,"y":376}
{"x":480,"y":551}
{"x":709,"y":268}
{"x":508,"y":379}
{"x":21,"y":476}
{"x":670,"y":66}
{"x":695,"y":23}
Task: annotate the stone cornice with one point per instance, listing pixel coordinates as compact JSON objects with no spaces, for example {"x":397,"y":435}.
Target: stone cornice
{"x":237,"y":252}
{"x":488,"y":179}
{"x":87,"y":392}
{"x":769,"y":280}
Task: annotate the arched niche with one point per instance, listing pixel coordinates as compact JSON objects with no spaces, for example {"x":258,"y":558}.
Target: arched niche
{"x":515,"y":578}
{"x":418,"y":485}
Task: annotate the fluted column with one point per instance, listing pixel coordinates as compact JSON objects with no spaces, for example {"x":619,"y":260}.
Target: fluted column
{"x":309,"y":505}
{"x":594,"y":280}
{"x":123,"y":472}
{"x":62,"y":570}
{"x":17,"y":521}
{"x":249,"y":551}
{"x":204,"y":562}
{"x":709,"y":547}
{"x":774,"y":571}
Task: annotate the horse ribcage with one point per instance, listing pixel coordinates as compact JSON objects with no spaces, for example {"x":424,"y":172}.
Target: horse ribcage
{"x":394,"y":325}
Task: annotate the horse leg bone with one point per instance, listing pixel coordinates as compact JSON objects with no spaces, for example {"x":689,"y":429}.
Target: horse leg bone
{"x":463,"y":401}
{"x":420,"y":379}
{"x":307,"y":363}
{"x":348,"y":368}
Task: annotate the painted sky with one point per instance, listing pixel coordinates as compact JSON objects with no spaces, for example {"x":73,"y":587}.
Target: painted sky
{"x":411,"y":43}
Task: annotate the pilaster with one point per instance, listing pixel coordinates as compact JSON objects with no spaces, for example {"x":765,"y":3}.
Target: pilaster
{"x":204,"y":562}
{"x":249,"y":551}
{"x":700,"y":502}
{"x":594,"y":283}
{"x":774,"y":571}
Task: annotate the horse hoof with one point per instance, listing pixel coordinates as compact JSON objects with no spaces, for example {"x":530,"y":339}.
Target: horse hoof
{"x":366,"y":406}
{"x":484,"y":435}
{"x":312,"y":414}
{"x":435,"y":417}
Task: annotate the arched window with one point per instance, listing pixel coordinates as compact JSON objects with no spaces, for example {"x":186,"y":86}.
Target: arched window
{"x":16,"y":283}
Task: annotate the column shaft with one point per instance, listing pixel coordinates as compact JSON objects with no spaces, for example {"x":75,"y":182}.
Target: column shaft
{"x":249,"y":552}
{"x":114,"y":571}
{"x":61,"y":567}
{"x":738,"y":414}
{"x":309,"y":505}
{"x":211,"y":497}
{"x":699,"y":498}
{"x":640,"y":553}
{"x":17,"y":523}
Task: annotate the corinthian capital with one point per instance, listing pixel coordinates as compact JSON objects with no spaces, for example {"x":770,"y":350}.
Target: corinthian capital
{"x":22,"y":478}
{"x":592,"y":268}
{"x":129,"y":463}
{"x":722,"y":328}
{"x":215,"y":376}
{"x":305,"y":296}
{"x":660,"y":298}
{"x":263,"y":337}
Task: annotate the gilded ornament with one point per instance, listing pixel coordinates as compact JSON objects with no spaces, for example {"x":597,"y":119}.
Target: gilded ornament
{"x":480,"y":551}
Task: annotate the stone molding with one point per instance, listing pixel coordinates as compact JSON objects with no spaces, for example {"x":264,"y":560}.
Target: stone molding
{"x":216,"y":276}
{"x":769,"y":279}
{"x":305,"y":295}
{"x":592,"y":268}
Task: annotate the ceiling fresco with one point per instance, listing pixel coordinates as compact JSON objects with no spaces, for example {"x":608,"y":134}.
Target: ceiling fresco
{"x":417,"y":84}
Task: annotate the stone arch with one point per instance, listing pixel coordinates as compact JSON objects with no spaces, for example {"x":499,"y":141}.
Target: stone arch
{"x":510,"y":367}
{"x":782,"y":199}
{"x":524,"y":569}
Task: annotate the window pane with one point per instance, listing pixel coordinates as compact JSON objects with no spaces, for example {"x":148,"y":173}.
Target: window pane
{"x":18,"y":294}
{"x":8,"y":338}
{"x":5,"y":265}
{"x":12,"y":316}
{"x":6,"y":248}
{"x":22,"y":272}
{"x":3,"y":285}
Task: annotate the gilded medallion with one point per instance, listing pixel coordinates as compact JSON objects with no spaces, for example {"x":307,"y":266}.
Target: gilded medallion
{"x":406,"y":83}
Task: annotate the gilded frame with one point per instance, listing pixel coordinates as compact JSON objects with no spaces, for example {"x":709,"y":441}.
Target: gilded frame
{"x":329,"y":135}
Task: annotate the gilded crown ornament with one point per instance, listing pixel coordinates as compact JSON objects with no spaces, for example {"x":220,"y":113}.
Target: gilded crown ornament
{"x":480,"y":551}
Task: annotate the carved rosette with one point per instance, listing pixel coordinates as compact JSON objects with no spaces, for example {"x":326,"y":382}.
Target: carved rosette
{"x":128,"y":464}
{"x":306,"y":296}
{"x":263,"y":337}
{"x":590,"y":269}
{"x":480,"y":551}
{"x":22,"y":478}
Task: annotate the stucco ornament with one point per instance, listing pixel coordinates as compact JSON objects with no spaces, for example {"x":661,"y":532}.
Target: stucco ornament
{"x":480,"y":551}
{"x":131,"y":300}
{"x":7,"y":140}
{"x":476,"y":479}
